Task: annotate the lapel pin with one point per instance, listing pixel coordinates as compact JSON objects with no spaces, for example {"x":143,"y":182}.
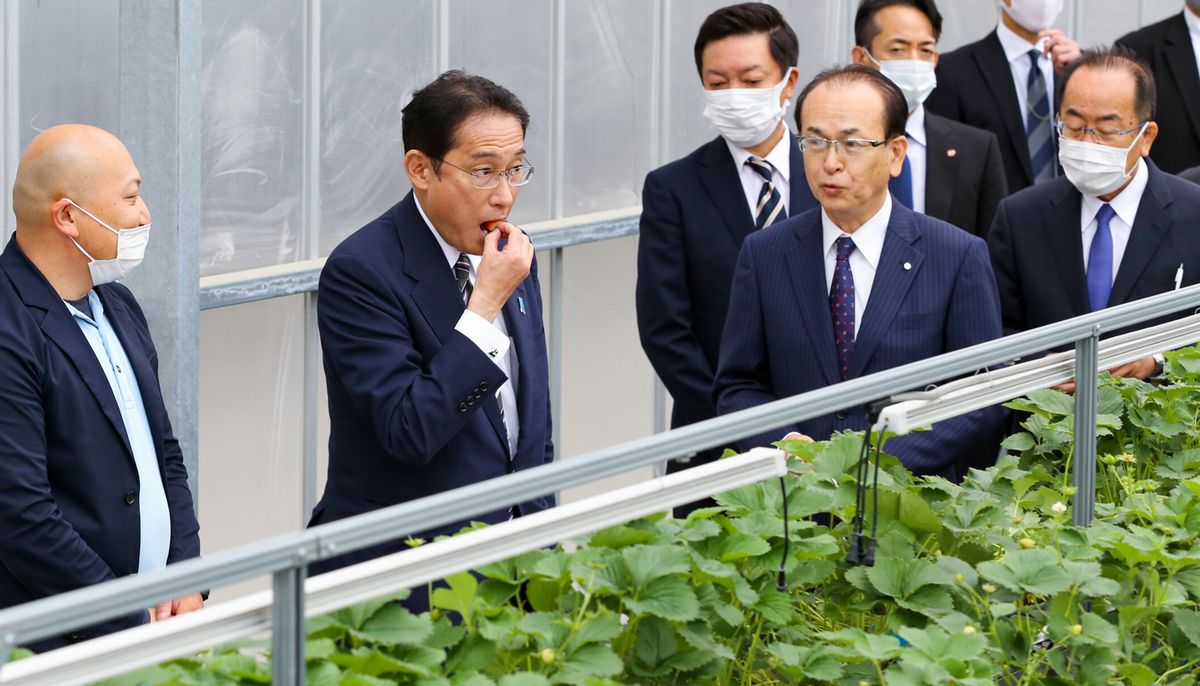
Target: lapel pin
{"x":521,"y":304}
{"x":907,"y":266}
{"x":951,"y":152}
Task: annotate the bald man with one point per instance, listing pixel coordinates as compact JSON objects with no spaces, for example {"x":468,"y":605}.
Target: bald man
{"x":92,"y":481}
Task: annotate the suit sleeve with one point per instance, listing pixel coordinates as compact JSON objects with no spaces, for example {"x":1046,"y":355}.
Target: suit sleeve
{"x":994,"y":186}
{"x":1004,"y":265}
{"x":537,"y":291}
{"x":664,"y":303}
{"x":38,"y":546}
{"x":743,"y":374}
{"x":414,"y":405}
{"x":973,"y":318}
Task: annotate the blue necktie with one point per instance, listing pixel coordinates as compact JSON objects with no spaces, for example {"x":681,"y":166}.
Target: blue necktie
{"x":901,"y":186}
{"x":1037,"y":123}
{"x":841,"y":304}
{"x":769,"y":208}
{"x":1100,"y":260}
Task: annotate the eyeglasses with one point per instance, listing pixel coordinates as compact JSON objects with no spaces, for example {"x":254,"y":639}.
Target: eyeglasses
{"x":487,"y":178}
{"x":1108,"y":135}
{"x":850,"y":147}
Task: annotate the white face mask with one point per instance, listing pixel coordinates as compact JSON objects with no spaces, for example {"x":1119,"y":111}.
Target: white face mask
{"x":1033,"y":15}
{"x":1095,"y":169}
{"x":915,"y":78}
{"x":746,"y":116}
{"x":131,"y":248}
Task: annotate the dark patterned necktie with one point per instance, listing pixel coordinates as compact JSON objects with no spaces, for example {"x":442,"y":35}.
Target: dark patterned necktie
{"x":462,"y":274}
{"x":841,"y":305}
{"x":1037,"y":123}
{"x":769,"y":208}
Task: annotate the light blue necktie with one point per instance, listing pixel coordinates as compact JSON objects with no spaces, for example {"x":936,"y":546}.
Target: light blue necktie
{"x":1100,"y":260}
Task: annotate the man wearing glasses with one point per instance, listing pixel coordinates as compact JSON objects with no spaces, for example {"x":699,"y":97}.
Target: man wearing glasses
{"x":860,"y":285}
{"x":431,"y":321}
{"x":1116,"y":228}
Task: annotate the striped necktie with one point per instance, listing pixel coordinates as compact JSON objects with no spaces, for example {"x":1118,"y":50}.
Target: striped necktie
{"x":1037,"y":122}
{"x":462,"y":274}
{"x":769,"y":208}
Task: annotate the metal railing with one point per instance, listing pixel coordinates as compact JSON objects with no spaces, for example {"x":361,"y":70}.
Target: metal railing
{"x":286,"y":557}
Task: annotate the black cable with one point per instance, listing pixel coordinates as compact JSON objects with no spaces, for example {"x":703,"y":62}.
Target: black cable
{"x":870,"y":557}
{"x":781,"y":583}
{"x":862,"y":469}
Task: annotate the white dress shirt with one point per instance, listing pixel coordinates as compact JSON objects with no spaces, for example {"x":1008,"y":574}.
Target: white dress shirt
{"x":779,"y":157}
{"x":1016,"y":49}
{"x":1193,"y":24}
{"x":918,"y":148}
{"x":868,"y":245}
{"x":1125,"y":205}
{"x":490,"y":337}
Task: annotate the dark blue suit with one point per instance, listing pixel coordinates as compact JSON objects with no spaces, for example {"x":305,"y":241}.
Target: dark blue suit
{"x":1036,"y":245}
{"x":69,"y":514}
{"x":411,"y":400}
{"x":694,"y":219}
{"x":779,"y":342}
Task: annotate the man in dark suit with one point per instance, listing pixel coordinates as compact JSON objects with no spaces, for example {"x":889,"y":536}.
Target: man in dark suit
{"x":431,"y":322}
{"x":92,"y":481}
{"x":1116,"y":228}
{"x":1005,"y":83}
{"x":860,"y":285}
{"x":696,"y":211}
{"x":1192,"y":174}
{"x":1172,"y":49}
{"x":951,"y":171}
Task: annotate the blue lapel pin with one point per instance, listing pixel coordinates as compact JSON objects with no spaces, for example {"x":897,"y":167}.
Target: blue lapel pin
{"x":521,"y":304}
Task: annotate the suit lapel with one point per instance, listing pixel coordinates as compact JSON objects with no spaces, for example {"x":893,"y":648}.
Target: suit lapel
{"x":122,"y":322}
{"x":1181,"y":61}
{"x":435,"y":292}
{"x":890,"y":286}
{"x":520,"y":330}
{"x":1149,"y":227}
{"x":724,"y":186}
{"x":941,"y":170}
{"x":1064,"y":240}
{"x":806,"y":263}
{"x":993,"y":64}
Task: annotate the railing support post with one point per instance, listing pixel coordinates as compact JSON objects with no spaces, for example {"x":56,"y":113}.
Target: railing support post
{"x":1084,"y":470}
{"x":287,"y":622}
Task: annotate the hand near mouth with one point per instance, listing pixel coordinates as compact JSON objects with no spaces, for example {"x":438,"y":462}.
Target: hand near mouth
{"x":502,"y":269}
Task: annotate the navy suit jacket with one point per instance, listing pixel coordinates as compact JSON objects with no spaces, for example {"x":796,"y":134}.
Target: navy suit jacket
{"x":411,"y":400}
{"x":1036,"y":246}
{"x":694,"y":219}
{"x":69,"y":514}
{"x":778,"y":340}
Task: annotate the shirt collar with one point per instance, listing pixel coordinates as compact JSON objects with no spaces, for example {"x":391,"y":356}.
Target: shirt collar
{"x":1015,"y":47}
{"x":915,"y":128}
{"x":780,"y":156}
{"x":93,"y":302}
{"x":1193,"y":23}
{"x":868,"y":239}
{"x":1126,"y":203}
{"x":448,"y":250}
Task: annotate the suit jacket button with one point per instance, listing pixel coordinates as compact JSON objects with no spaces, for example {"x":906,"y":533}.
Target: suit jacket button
{"x":840,"y":415}
{"x":462,"y":407}
{"x":470,"y":401}
{"x":483,"y":387}
{"x":130,"y":498}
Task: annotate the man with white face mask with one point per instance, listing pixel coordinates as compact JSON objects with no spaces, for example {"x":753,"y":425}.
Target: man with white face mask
{"x":697,"y":210}
{"x":951,"y":171}
{"x":1005,"y":83}
{"x":1115,"y":228}
{"x":94,"y":485}
{"x":1172,"y":49}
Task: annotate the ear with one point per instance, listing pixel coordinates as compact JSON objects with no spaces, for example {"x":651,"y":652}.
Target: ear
{"x":898,"y":149}
{"x":793,"y":75}
{"x":858,"y":55}
{"x":1148,"y":138}
{"x":419,"y":169}
{"x":60,"y":216}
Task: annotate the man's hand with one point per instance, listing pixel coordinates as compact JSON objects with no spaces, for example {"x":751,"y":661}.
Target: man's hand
{"x":1138,"y":369}
{"x":1061,"y":50}
{"x":178,"y":606}
{"x":501,"y":271}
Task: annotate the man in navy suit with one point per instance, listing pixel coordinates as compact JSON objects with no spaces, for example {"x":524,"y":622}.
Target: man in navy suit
{"x":1116,"y":228}
{"x":1005,"y":83}
{"x":860,"y":285}
{"x":92,"y":481}
{"x":431,"y":322}
{"x":696,"y":211}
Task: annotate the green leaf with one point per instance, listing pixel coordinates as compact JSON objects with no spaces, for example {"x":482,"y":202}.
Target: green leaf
{"x":647,"y":562}
{"x":524,"y":679}
{"x":595,"y":659}
{"x":364,"y":680}
{"x":319,"y":649}
{"x":1020,"y":442}
{"x":1137,"y":674}
{"x":1087,"y":577}
{"x":738,"y":546}
{"x":656,"y":642}
{"x":1029,"y":571}
{"x":474,"y":653}
{"x":323,"y":674}
{"x":471,"y":679}
{"x":669,"y":597}
{"x":394,"y":624}
{"x":549,"y":628}
{"x":598,"y":628}
{"x":1188,"y":621}
{"x":1096,"y":630}
{"x":869,"y":646}
{"x":460,"y":595}
{"x":620,"y":537}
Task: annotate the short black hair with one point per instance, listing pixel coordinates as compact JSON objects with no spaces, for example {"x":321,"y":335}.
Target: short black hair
{"x":430,"y":121}
{"x":750,"y":18}
{"x":1118,"y":57}
{"x":866,"y":29}
{"x":895,"y":107}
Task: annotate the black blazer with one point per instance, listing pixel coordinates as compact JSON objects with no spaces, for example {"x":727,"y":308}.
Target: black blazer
{"x":1192,"y":174}
{"x":69,"y":513}
{"x":964,"y":174}
{"x":694,"y":219}
{"x":1037,"y":250}
{"x":1167,"y":47}
{"x":975,"y":86}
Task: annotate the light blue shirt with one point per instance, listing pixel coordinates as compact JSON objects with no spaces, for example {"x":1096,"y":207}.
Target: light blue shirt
{"x":152,"y":497}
